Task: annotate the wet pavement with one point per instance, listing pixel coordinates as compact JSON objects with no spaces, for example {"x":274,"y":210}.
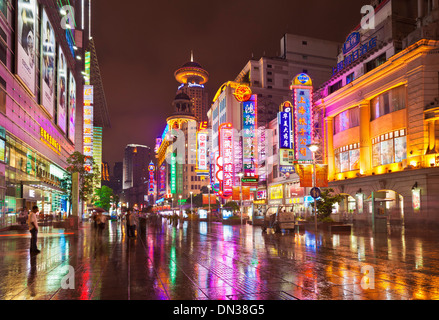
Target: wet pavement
{"x":202,"y":261}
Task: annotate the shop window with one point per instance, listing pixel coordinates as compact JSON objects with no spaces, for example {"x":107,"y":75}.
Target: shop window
{"x":349,"y":78}
{"x":347,"y":158}
{"x":336,"y":86}
{"x":388,"y":102}
{"x":375,"y":62}
{"x":346,"y":120}
{"x":389,"y":148}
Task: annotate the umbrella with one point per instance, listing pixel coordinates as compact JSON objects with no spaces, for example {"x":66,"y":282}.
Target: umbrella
{"x":97,"y":209}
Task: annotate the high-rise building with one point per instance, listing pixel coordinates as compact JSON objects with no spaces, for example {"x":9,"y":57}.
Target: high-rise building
{"x":192,"y":78}
{"x":41,"y":100}
{"x":136,"y":175}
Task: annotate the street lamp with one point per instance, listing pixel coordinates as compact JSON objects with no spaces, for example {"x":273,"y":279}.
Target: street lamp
{"x":240,"y":175}
{"x":313,"y":148}
{"x":208,"y":187}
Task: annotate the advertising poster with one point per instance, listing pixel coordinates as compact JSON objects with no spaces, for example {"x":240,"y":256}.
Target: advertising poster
{"x":26,"y":42}
{"x":386,"y":152}
{"x":416,"y":199}
{"x":400,"y":149}
{"x":62,"y":91}
{"x":344,"y":161}
{"x":376,"y":155}
{"x":48,"y":56}
{"x":236,"y":193}
{"x":354,"y":159}
{"x":72,"y":107}
{"x":276,"y":192}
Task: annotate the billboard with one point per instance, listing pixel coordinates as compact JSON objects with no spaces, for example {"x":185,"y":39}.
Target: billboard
{"x":72,"y":107}
{"x":26,"y":42}
{"x":48,"y":56}
{"x":62,"y":91}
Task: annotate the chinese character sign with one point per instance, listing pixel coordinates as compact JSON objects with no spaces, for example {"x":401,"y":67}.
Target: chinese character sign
{"x":151,"y":169}
{"x":88,"y":125}
{"x":249,"y":137}
{"x":285,"y":129}
{"x":226,"y":153}
{"x":202,"y":163}
{"x":303,"y":114}
{"x":173,"y":173}
{"x":162,"y":179}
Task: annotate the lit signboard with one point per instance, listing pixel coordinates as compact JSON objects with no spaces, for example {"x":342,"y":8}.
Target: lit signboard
{"x":226,"y":153}
{"x":49,"y":141}
{"x":162,"y":180}
{"x":151,"y":169}
{"x":48,"y":52}
{"x":62,"y":90}
{"x":26,"y":42}
{"x":173,"y":166}
{"x":303,"y":115}
{"x":72,"y":107}
{"x":88,"y":124}
{"x":202,"y":163}
{"x":249,"y":137}
{"x":285,"y":129}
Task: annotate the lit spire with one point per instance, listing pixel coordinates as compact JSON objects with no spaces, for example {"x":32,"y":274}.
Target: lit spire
{"x":192,"y":56}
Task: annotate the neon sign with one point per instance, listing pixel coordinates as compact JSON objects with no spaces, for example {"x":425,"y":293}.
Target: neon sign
{"x":173,"y":182}
{"x":88,"y":125}
{"x":151,"y":169}
{"x":202,"y":151}
{"x":242,"y":93}
{"x":249,"y":137}
{"x":355,"y":55}
{"x":303,"y":114}
{"x":226,"y":154}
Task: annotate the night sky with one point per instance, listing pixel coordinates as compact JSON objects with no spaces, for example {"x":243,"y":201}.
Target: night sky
{"x":141,"y":43}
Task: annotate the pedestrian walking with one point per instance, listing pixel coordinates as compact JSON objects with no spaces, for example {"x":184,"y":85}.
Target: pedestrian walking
{"x":100,"y":222}
{"x":132,"y":228}
{"x":33,"y":229}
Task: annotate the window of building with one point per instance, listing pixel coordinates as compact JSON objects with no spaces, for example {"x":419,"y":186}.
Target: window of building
{"x":349,"y":78}
{"x":270,"y":80}
{"x":4,"y":8}
{"x":388,"y":102}
{"x":305,"y":57}
{"x":347,"y":158}
{"x":389,"y":148}
{"x":269,"y":87}
{"x":346,"y":120}
{"x":275,"y":173}
{"x":2,"y":95}
{"x":269,"y":66}
{"x":336,"y":86}
{"x":269,"y":73}
{"x":305,"y":43}
{"x":375,"y":62}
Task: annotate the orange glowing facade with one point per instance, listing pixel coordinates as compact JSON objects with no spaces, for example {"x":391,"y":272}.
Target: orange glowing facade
{"x":378,"y":118}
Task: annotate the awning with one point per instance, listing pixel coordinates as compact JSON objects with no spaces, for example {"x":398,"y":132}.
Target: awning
{"x":43,"y":185}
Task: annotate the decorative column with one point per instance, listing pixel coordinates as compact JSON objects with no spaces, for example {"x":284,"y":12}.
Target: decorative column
{"x":365,"y":142}
{"x":329,"y":124}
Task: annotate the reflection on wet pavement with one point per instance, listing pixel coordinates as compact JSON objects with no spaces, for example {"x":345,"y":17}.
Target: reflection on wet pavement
{"x":219,"y":262}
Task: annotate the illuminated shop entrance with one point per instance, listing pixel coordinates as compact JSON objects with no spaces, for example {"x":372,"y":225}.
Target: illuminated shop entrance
{"x":387,"y":203}
{"x":346,"y":206}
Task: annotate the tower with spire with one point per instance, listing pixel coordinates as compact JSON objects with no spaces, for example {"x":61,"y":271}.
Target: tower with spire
{"x":192,"y":78}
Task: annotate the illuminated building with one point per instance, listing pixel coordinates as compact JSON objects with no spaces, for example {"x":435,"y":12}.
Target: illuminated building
{"x":379,"y":116}
{"x":180,"y":142}
{"x":192,"y":78}
{"x":40,"y":113}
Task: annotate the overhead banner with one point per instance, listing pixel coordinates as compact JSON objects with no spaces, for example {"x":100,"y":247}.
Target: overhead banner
{"x":206,"y":199}
{"x":62,"y":90}
{"x":305,"y":172}
{"x":303,"y":115}
{"x":48,"y":56}
{"x":26,"y":42}
{"x":249,"y":137}
{"x":72,"y":107}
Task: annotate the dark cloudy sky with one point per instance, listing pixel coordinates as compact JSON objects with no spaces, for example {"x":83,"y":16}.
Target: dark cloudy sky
{"x":141,"y":43}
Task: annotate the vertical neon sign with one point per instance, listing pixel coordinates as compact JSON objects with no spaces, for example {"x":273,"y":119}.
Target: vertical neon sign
{"x":249,"y":136}
{"x":151,"y":169}
{"x":226,"y":154}
{"x":173,"y":182}
{"x":303,"y":114}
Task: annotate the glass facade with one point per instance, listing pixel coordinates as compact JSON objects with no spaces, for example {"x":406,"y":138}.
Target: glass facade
{"x":389,"y":148}
{"x":347,"y":158}
{"x":388,"y":102}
